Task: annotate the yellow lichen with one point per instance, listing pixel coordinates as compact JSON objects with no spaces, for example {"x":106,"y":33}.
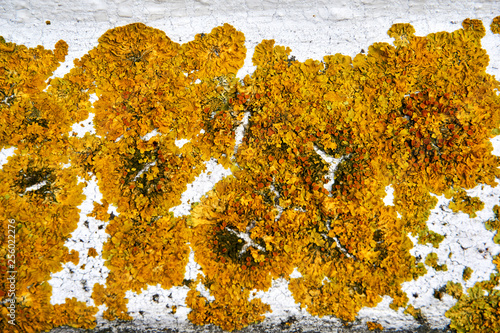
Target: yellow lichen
{"x":432,"y":261}
{"x":417,"y":115}
{"x":463,"y":202}
{"x":92,"y":252}
{"x":415,"y":313}
{"x":374,"y":326}
{"x":495,"y":25}
{"x":39,"y":194}
{"x":494,"y":224}
{"x":477,"y":311}
{"x":467,"y":273}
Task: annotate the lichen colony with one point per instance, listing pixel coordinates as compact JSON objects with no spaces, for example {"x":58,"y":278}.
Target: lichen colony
{"x":417,"y":115}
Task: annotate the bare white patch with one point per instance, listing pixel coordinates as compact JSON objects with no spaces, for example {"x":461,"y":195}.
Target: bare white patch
{"x":496,"y":145}
{"x":155,"y":303}
{"x":200,"y":186}
{"x":78,"y":281}
{"x":84,"y":126}
{"x":240,"y":131}
{"x":181,"y":142}
{"x":192,"y":268}
{"x":205,"y":292}
{"x":280,"y":299}
{"x":151,"y":134}
{"x":333,"y":164}
{"x":295,"y":274}
{"x":389,"y":197}
{"x":35,"y":187}
{"x":147,"y":166}
{"x":5,"y":153}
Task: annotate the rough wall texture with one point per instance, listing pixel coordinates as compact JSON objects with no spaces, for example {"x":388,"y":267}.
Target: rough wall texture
{"x":312,"y":29}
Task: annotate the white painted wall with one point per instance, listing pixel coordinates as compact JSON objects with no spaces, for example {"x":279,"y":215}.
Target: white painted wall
{"x":312,"y":28}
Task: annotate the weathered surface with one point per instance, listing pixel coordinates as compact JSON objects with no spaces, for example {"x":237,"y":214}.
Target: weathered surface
{"x":312,"y":29}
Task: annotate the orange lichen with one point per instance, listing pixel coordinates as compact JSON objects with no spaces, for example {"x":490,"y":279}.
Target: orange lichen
{"x":475,"y":27}
{"x":417,"y":115}
{"x":374,"y":326}
{"x":495,"y":25}
{"x":219,"y":53}
{"x":494,"y":224}
{"x":402,"y":33}
{"x":92,"y":252}
{"x":463,"y":202}
{"x":39,"y":194}
{"x":151,"y":93}
{"x":467,"y":273}
{"x":233,"y":260}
